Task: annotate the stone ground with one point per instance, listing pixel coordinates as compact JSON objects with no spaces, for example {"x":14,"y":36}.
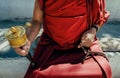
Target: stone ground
{"x":14,"y":66}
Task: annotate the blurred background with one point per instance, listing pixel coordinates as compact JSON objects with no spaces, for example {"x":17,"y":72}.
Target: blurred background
{"x":18,"y":12}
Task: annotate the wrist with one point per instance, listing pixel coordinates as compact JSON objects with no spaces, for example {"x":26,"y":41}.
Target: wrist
{"x":93,"y":31}
{"x":95,"y":27}
{"x":30,"y":40}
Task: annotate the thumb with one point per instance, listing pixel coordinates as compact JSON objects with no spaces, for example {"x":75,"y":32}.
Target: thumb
{"x":21,"y":51}
{"x":25,"y":48}
{"x":80,"y":45}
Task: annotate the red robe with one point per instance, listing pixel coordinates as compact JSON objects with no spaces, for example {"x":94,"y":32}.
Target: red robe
{"x":64,"y":23}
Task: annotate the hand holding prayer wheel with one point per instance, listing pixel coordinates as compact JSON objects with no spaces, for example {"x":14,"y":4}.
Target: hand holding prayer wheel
{"x":17,"y":38}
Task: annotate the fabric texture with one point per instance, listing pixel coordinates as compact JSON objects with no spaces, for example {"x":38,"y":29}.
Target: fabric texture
{"x":66,"y":63}
{"x":65,"y":21}
{"x":74,"y":15}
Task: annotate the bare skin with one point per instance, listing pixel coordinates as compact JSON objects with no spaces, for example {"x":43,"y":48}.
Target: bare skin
{"x":87,"y":38}
{"x":33,"y":31}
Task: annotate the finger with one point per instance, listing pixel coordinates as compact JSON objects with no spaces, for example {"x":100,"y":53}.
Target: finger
{"x":79,"y":46}
{"x":83,"y":36}
{"x":90,"y":37}
{"x":21,"y":52}
{"x":87,"y":43}
{"x":26,"y":48}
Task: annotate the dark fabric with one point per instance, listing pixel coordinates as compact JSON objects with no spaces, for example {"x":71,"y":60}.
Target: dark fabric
{"x":65,"y":63}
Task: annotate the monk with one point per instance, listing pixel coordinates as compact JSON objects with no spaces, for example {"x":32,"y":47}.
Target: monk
{"x":68,"y":47}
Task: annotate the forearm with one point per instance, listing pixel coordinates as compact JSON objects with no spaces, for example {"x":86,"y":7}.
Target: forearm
{"x":36,"y":22}
{"x":33,"y":30}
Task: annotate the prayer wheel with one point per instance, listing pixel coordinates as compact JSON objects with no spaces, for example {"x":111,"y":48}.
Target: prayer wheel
{"x":16,"y":36}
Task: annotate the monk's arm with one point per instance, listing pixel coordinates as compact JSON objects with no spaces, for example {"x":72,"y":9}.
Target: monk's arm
{"x":36,"y":22}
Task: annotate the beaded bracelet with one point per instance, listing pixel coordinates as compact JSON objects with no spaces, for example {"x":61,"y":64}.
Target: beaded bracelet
{"x":96,"y":27}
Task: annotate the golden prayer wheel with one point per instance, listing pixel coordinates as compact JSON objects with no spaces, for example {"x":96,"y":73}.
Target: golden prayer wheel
{"x":16,"y":36}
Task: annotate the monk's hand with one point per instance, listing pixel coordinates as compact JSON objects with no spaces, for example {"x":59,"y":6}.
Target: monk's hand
{"x":23,"y":50}
{"x":88,"y":38}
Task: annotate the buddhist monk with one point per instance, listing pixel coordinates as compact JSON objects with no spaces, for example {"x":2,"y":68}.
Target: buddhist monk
{"x":68,"y":47}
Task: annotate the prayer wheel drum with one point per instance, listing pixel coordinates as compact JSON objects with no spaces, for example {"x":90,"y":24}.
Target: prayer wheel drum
{"x":16,"y":36}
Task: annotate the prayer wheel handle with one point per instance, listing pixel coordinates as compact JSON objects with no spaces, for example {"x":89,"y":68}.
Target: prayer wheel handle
{"x":29,"y":57}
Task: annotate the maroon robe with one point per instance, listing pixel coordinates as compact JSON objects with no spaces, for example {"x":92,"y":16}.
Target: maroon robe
{"x":64,"y":23}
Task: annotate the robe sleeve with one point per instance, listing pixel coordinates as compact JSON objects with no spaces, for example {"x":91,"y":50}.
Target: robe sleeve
{"x":41,"y":4}
{"x":99,"y":14}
